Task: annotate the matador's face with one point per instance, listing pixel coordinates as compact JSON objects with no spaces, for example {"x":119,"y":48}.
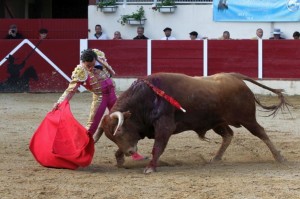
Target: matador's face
{"x":89,"y":65}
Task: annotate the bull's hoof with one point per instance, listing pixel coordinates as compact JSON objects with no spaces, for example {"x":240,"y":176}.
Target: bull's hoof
{"x":120,"y":162}
{"x":279,"y":158}
{"x":215,"y":160}
{"x":149,"y":170}
{"x":120,"y":166}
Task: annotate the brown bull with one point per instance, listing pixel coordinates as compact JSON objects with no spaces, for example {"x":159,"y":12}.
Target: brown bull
{"x":215,"y":102}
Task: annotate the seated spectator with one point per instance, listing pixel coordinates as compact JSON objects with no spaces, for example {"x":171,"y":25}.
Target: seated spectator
{"x":43,"y":33}
{"x":99,"y":34}
{"x":117,"y":36}
{"x":168,"y":36}
{"x":140,"y":33}
{"x":13,"y":33}
{"x":276,"y":34}
{"x":296,"y":35}
{"x":194,"y":36}
{"x":225,"y":36}
{"x":259,"y":34}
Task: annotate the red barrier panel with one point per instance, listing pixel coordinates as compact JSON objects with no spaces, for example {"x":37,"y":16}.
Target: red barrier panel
{"x":127,"y":57}
{"x":178,"y":56}
{"x":281,"y":59}
{"x":233,"y":56}
{"x":61,"y":53}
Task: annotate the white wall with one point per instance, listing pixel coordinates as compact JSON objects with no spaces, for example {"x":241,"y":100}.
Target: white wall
{"x":185,"y":19}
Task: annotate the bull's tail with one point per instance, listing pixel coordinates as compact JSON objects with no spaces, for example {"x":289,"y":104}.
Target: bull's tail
{"x":273,"y":108}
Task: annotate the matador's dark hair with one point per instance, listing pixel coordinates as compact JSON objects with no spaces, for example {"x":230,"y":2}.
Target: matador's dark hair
{"x":88,"y":55}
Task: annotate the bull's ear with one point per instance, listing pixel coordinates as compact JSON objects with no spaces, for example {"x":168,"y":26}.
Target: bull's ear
{"x":104,"y":121}
{"x":127,"y":115}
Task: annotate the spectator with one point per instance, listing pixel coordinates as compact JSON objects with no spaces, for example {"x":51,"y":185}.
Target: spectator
{"x":99,"y":34}
{"x":117,"y":36}
{"x":194,"y":36}
{"x":296,"y":35}
{"x":43,"y":33}
{"x":168,"y":36}
{"x":276,"y":34}
{"x":13,"y":33}
{"x":259,"y":34}
{"x":225,"y":36}
{"x":140,"y":33}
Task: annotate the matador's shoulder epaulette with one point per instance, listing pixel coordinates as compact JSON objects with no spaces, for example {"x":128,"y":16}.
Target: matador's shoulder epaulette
{"x":80,"y":74}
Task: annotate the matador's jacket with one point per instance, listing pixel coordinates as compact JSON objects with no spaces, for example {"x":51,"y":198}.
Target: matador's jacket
{"x":94,"y":81}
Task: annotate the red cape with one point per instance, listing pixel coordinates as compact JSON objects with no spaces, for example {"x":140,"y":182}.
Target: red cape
{"x":61,"y":141}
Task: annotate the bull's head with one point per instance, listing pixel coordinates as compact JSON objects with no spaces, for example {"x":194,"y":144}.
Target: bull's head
{"x":119,"y":129}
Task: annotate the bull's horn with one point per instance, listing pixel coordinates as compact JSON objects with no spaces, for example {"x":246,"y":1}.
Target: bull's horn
{"x":120,"y":118}
{"x":98,"y":134}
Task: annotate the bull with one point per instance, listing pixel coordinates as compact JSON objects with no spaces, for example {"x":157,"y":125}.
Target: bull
{"x":215,"y":102}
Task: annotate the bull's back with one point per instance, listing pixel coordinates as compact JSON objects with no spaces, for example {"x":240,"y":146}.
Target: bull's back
{"x":215,"y":88}
{"x":209,"y":100}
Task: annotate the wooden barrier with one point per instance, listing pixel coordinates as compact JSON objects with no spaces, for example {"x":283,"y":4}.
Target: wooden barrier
{"x":129,"y":59}
{"x":281,"y":59}
{"x":233,"y":56}
{"x":178,"y":56}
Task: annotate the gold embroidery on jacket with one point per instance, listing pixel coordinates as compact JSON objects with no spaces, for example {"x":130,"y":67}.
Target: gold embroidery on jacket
{"x":96,"y":77}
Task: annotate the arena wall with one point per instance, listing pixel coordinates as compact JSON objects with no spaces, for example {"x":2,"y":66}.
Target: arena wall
{"x":273,"y":62}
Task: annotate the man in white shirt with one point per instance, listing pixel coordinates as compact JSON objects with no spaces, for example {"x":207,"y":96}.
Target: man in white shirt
{"x":99,"y":34}
{"x":168,"y":36}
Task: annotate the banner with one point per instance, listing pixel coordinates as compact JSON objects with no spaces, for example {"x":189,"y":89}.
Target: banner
{"x":256,"y":10}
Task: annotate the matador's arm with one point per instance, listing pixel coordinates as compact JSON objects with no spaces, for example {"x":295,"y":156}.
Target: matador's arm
{"x":79,"y":75}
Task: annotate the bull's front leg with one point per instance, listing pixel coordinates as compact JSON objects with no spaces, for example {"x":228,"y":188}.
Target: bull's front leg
{"x":157,"y":150}
{"x":163,"y":130}
{"x":120,"y":157}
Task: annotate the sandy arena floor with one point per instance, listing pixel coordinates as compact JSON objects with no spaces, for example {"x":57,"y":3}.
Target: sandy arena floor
{"x":248,"y":170}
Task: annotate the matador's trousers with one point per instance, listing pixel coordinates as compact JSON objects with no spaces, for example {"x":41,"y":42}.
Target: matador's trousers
{"x":108,"y":100}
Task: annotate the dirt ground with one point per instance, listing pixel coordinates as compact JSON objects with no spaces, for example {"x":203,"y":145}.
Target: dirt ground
{"x":248,"y":169}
